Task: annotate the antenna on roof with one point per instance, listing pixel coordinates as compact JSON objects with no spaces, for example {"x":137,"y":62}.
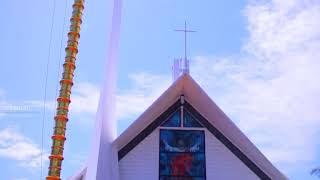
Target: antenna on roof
{"x":181,"y":66}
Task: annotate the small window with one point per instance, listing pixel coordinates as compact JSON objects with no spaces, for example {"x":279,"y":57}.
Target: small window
{"x":189,"y":121}
{"x":173,"y":121}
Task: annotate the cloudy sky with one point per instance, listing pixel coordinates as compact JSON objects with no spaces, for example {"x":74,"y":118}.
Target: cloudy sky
{"x":258,"y":60}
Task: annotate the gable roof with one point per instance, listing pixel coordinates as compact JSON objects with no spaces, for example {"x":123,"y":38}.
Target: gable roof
{"x":200,"y":102}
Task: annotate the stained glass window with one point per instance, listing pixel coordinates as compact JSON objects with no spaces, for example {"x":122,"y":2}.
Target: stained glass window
{"x":182,"y":155}
{"x":174,"y":120}
{"x":189,"y":121}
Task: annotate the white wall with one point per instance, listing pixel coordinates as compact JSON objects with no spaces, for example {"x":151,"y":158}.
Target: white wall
{"x":221,"y":163}
{"x":142,"y":163}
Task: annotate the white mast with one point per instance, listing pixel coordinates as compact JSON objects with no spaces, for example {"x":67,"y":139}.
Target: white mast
{"x":103,"y":160}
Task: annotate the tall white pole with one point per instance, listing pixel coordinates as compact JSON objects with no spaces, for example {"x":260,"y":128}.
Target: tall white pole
{"x":103,"y":161}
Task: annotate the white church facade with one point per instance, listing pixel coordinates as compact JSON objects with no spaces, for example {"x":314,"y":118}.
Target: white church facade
{"x":184,"y":135}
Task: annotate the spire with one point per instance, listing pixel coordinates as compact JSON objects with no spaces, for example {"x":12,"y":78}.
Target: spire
{"x":181,"y":66}
{"x":103,"y":160}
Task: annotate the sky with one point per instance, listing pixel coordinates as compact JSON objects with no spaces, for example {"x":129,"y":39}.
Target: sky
{"x":258,"y":60}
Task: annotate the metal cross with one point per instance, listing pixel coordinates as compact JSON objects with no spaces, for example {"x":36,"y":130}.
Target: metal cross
{"x":185,"y":30}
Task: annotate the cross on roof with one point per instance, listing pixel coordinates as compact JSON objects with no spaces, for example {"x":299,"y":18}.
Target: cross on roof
{"x":185,"y":30}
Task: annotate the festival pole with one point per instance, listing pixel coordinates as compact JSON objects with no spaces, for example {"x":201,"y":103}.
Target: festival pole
{"x":63,"y":100}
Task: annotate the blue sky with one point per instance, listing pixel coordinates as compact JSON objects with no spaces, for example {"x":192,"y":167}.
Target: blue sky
{"x":258,"y":60}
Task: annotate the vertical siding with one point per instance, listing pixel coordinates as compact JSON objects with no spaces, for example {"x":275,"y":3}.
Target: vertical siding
{"x":142,"y":163}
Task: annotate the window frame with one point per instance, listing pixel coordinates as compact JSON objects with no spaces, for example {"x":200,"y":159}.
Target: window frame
{"x":200,"y":129}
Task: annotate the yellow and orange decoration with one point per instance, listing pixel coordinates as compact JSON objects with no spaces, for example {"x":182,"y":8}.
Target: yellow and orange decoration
{"x":63,"y":100}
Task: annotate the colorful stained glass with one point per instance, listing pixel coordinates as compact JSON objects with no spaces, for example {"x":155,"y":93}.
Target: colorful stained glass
{"x":181,"y":178}
{"x":173,"y":121}
{"x":181,"y":141}
{"x":182,"y":155}
{"x":189,"y":121}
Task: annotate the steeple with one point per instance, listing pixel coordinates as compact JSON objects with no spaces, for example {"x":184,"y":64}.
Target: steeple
{"x":181,"y":66}
{"x":103,"y":161}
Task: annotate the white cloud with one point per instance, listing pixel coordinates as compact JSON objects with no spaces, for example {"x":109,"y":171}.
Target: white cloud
{"x":20,"y":107}
{"x":279,"y":114}
{"x":279,"y":26}
{"x":146,"y":87}
{"x":14,"y":145}
{"x":272,"y":90}
{"x":84,"y":98}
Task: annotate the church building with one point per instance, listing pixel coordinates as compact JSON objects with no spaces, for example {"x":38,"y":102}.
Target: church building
{"x":184,"y":135}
